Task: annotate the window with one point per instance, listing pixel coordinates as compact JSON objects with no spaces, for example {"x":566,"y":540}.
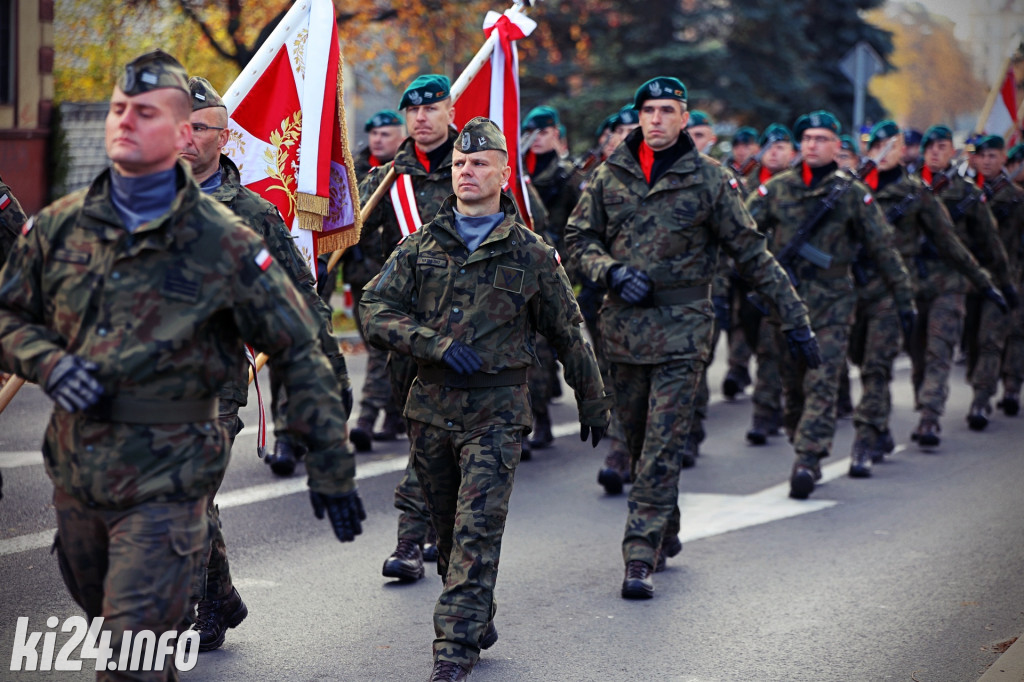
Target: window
{"x":6,"y":52}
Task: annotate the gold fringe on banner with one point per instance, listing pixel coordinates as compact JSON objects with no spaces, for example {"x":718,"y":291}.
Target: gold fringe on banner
{"x":311,"y":210}
{"x":350,"y":236}
{"x":332,"y":241}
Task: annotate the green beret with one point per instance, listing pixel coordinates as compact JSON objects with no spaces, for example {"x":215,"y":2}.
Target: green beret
{"x":541,"y":117}
{"x":989,"y":142}
{"x":479,"y":135}
{"x":1016,"y":154}
{"x":384,"y":117}
{"x":662,"y":87}
{"x":816,"y":119}
{"x":882,"y":131}
{"x":153,"y":71}
{"x":699,"y":118}
{"x":776,"y":132}
{"x":745,"y":135}
{"x":934,"y":134}
{"x":432,"y":87}
{"x":628,"y":116}
{"x":608,"y":124}
{"x":203,"y":94}
{"x":848,"y":143}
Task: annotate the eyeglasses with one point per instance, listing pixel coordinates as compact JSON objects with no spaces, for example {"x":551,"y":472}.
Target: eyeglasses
{"x":817,"y":139}
{"x":201,"y":128}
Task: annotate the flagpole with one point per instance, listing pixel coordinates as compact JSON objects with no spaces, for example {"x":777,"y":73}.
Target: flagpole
{"x":8,"y":391}
{"x":996,"y":89}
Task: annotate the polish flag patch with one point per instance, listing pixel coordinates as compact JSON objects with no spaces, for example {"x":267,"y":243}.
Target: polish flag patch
{"x":868,"y":199}
{"x":27,"y":227}
{"x":5,"y":201}
{"x":263,"y":259}
{"x":733,"y":183}
{"x":762,"y":190}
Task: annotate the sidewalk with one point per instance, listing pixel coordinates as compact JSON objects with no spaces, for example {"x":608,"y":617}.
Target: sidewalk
{"x":1009,"y":667}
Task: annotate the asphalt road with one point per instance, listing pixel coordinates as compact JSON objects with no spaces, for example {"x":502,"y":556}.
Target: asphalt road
{"x":914,"y":574}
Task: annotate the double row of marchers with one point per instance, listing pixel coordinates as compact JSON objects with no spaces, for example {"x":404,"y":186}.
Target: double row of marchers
{"x":661,"y":241}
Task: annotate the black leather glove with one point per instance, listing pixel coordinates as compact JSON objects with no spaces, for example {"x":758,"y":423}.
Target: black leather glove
{"x":908,"y":321}
{"x":344,"y":511}
{"x":596,"y":433}
{"x":347,"y":401}
{"x":1011,"y":296}
{"x":993,"y":295}
{"x":71,"y":385}
{"x":722,"y":312}
{"x":803,"y":344}
{"x":462,"y":358}
{"x":632,"y":285}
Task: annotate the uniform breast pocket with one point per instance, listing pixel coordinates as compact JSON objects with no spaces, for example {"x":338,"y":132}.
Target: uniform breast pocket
{"x":618,"y":207}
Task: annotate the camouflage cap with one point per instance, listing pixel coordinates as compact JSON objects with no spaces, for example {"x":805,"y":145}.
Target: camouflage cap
{"x":1016,"y":154}
{"x":745,"y":135}
{"x":882,"y":131}
{"x":480,"y":134}
{"x":817,"y":119}
{"x":699,"y":118}
{"x":426,"y":89}
{"x":628,"y":116}
{"x":203,"y":94}
{"x":384,"y":117}
{"x":989,"y":142}
{"x":776,"y":132}
{"x":662,"y":87}
{"x":541,"y":117}
{"x":934,"y":134}
{"x":153,"y":71}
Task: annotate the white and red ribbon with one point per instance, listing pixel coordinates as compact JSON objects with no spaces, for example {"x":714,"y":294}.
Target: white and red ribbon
{"x":403,"y":200}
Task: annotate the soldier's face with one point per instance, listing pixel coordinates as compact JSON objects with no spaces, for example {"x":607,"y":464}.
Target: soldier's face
{"x":893,"y":158}
{"x":990,"y":162}
{"x":203,"y":151}
{"x":778,"y":156}
{"x":662,"y":120}
{"x":477,"y":177}
{"x":704,"y":137}
{"x":145,"y":133}
{"x":938,"y":154}
{"x":428,"y":123}
{"x":546,"y":140}
{"x":385,"y":140}
{"x":616,"y":136}
{"x":742,"y":152}
{"x":820,"y":146}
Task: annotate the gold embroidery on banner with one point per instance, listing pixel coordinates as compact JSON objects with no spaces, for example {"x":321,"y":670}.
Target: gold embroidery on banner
{"x":299,"y":51}
{"x":277,"y":157}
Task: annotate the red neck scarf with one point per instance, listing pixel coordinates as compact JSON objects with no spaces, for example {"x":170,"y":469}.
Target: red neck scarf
{"x":764,"y":175}
{"x":531,"y":162}
{"x":980,"y":179}
{"x":423,"y":158}
{"x":374,"y":161}
{"x":872,"y":179}
{"x":926,"y":175}
{"x":646,"y":159}
{"x":807,"y":174}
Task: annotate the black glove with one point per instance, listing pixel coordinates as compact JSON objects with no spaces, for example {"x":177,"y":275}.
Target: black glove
{"x":71,"y":385}
{"x":908,"y":320}
{"x":596,"y":433}
{"x":462,"y":358}
{"x":632,"y":285}
{"x":993,"y":295}
{"x":347,"y":401}
{"x":722,"y":313}
{"x":1011,"y":296}
{"x":344,"y":511}
{"x":803,"y":344}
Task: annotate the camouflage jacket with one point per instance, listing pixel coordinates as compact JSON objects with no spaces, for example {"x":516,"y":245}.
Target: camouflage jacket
{"x":558,"y":192}
{"x":782,"y":204}
{"x":977,"y":230}
{"x":163,"y":312}
{"x":11,"y":220}
{"x":924,"y":217}
{"x":432,"y":292}
{"x":361,"y":163}
{"x":672,"y":231}
{"x":263,"y":218}
{"x":1007,"y":206}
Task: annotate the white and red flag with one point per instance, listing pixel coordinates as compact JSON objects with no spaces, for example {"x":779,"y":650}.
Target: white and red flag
{"x":494,"y":93}
{"x":1002,"y":118}
{"x":287,"y":130}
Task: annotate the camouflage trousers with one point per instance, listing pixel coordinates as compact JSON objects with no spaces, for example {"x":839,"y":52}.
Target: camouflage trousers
{"x":467,"y":479}
{"x":414,"y":520}
{"x":985,"y":345}
{"x":618,"y":456}
{"x":874,"y":345}
{"x":703,"y":396}
{"x":376,"y":394}
{"x":1013,"y":357}
{"x":542,"y":377}
{"x":810,"y":394}
{"x":939,"y":325}
{"x":134,"y":567}
{"x":655,"y":404}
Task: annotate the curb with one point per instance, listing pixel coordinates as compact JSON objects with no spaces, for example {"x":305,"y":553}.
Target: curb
{"x":1009,"y":667}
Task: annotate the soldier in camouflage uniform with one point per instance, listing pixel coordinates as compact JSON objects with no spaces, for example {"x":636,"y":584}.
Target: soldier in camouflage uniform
{"x":423,"y":162}
{"x":359,"y":266}
{"x":129,"y":302}
{"x":986,"y":346}
{"x":220,"y":605}
{"x":914,"y":213}
{"x":464,"y":296}
{"x":942,"y":290}
{"x":780,"y":207}
{"x":651,"y":224}
{"x":11,"y":220}
{"x":1013,"y":357}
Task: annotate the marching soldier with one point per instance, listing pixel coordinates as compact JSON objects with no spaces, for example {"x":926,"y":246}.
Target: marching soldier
{"x":464,"y":296}
{"x":986,"y":344}
{"x":386,"y":131}
{"x":650,"y":224}
{"x":941,"y":294}
{"x":128,"y":302}
{"x":848,"y":158}
{"x":818,"y":253}
{"x":914,"y":214}
{"x":743,"y":158}
{"x":701,"y":131}
{"x":1013,"y":358}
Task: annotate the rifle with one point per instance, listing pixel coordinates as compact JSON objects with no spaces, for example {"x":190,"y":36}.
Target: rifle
{"x":750,"y":163}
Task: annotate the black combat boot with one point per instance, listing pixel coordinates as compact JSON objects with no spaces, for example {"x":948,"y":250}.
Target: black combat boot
{"x":884,"y":446}
{"x":362,"y":435}
{"x":671,"y":546}
{"x":977,"y":418}
{"x":761,"y":428}
{"x":406,"y":563}
{"x":637,"y":583}
{"x":216,"y":616}
{"x":447,"y":671}
{"x":1010,"y":404}
{"x":805,"y":474}
{"x":542,"y":436}
{"x":490,"y":636}
{"x":862,"y":456}
{"x":736,"y":379}
{"x":284,"y":458}
{"x":927,"y":433}
{"x":394,"y":424}
{"x":430,"y":545}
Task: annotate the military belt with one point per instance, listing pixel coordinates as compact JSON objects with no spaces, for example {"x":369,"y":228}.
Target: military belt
{"x":139,"y":411}
{"x":438,"y":375}
{"x":682,"y":296}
